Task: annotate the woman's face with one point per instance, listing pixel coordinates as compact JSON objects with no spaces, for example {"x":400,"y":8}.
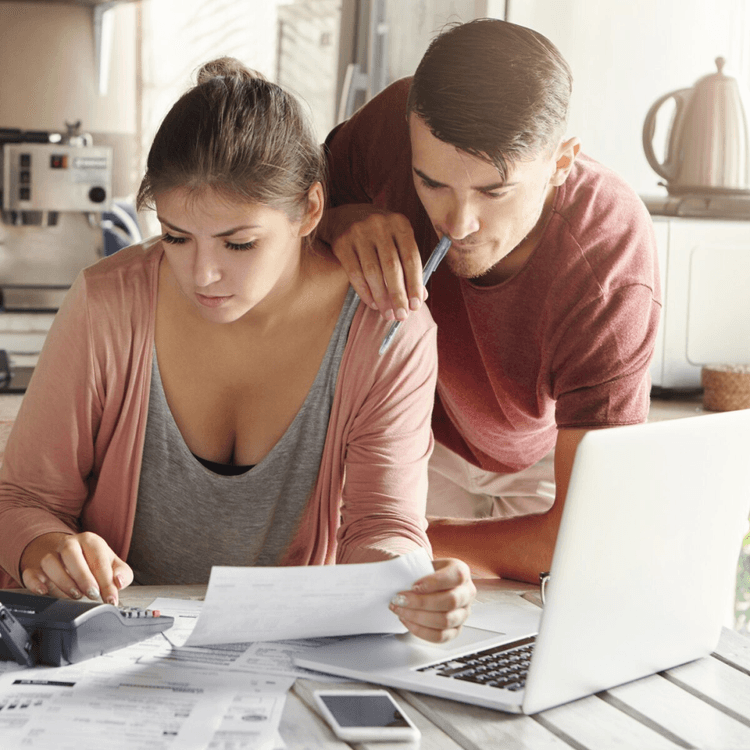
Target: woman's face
{"x":228,"y":257}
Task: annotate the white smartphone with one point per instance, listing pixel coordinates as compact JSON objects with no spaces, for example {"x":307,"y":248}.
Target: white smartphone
{"x":362,"y":715}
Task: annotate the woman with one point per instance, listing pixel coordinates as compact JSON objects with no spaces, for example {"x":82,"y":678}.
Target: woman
{"x":215,"y":396}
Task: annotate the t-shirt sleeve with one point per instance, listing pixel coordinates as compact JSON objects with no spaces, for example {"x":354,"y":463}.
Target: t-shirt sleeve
{"x":362,"y":150}
{"x":600,"y":368}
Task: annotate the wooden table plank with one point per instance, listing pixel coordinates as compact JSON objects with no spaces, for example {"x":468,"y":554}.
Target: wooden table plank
{"x":593,"y":723}
{"x":734,"y":649}
{"x":722,"y":685}
{"x":476,"y":728}
{"x":680,"y":715}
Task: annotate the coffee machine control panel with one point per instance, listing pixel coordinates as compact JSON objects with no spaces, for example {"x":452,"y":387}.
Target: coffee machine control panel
{"x":54,"y":177}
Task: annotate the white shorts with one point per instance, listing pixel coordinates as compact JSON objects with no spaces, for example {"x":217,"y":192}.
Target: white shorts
{"x":458,"y":489}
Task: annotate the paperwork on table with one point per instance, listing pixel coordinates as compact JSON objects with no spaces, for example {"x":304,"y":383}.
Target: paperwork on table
{"x":133,"y":700}
{"x":285,"y":603}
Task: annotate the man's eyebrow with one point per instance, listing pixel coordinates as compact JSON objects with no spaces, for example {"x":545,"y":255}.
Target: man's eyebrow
{"x":481,"y":188}
{"x":228,"y":233}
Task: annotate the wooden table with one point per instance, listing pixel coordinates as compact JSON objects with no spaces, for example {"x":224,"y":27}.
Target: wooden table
{"x":704,"y":704}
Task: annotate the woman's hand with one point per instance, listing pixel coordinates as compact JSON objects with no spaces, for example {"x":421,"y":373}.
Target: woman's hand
{"x":70,"y":566}
{"x":438,"y":604}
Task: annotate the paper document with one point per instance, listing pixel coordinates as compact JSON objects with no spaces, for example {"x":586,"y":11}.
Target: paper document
{"x":285,"y":603}
{"x":116,"y":703}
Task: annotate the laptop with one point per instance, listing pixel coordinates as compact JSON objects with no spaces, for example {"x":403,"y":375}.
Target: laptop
{"x":643,"y":577}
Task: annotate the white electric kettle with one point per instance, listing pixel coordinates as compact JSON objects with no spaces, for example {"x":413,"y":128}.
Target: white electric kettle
{"x":708,"y":145}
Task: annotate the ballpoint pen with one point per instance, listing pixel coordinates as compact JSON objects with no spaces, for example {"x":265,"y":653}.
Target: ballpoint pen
{"x":432,"y":263}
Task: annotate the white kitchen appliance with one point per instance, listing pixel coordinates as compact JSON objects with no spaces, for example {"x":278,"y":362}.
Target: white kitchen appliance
{"x":702,"y":229}
{"x":704,"y":264}
{"x":707,"y":145}
{"x":55,"y":189}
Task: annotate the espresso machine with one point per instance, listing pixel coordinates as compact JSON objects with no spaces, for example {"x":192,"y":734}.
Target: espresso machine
{"x":56,"y":188}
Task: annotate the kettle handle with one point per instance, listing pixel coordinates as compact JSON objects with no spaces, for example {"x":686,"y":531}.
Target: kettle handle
{"x":667,"y":168}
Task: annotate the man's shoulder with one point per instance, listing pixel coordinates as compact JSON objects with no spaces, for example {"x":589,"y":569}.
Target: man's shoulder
{"x":594,"y":193}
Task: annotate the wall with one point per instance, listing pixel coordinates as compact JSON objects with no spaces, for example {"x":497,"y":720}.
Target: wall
{"x":625,"y":54}
{"x":409,"y":34}
{"x":49,"y":76}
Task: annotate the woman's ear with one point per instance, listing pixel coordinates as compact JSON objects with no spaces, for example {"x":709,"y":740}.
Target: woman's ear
{"x":564,"y":157}
{"x":315,"y":204}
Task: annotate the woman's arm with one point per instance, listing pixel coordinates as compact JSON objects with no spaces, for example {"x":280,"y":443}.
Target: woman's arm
{"x":49,"y":460}
{"x":384,"y":496}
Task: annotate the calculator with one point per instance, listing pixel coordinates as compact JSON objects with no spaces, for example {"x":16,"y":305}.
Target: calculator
{"x":44,"y":630}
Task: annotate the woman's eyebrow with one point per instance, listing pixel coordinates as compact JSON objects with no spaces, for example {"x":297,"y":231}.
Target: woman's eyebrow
{"x":227,"y":233}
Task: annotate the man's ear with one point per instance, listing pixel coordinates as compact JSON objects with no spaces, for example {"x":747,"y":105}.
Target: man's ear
{"x":315,"y":204}
{"x":564,"y":157}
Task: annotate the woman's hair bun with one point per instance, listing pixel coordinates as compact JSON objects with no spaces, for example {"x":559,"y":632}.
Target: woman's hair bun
{"x":227,"y":67}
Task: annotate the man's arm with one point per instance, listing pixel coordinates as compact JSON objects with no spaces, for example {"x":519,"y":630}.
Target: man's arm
{"x":520,"y":548}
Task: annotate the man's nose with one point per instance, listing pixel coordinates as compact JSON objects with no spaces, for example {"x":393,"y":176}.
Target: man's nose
{"x":462,"y":220}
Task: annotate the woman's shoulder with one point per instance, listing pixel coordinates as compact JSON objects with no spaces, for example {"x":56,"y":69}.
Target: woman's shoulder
{"x":414,"y":344}
{"x":130,"y":262}
{"x":128,"y":274}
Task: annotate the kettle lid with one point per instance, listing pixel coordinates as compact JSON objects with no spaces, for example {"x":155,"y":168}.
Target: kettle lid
{"x":720,"y":77}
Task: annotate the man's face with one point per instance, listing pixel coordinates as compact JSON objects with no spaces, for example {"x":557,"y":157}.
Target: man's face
{"x":485,"y":217}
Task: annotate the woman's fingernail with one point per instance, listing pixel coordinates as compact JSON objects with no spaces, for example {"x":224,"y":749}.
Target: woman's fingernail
{"x":414,"y":303}
{"x":112,"y":600}
{"x":120,"y":581}
{"x":399,"y":601}
{"x":93,"y":593}
{"x":75,"y":593}
{"x":41,"y":590}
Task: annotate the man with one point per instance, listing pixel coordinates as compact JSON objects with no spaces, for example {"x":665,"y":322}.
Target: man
{"x":548,"y":302}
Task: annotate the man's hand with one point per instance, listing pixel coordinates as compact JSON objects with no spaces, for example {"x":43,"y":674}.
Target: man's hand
{"x":378,"y":251}
{"x":438,"y":604}
{"x":74,"y":565}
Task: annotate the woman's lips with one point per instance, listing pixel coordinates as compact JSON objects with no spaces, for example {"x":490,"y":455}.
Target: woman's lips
{"x":208,"y":301}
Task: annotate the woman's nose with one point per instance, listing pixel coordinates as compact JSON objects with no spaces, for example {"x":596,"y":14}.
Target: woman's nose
{"x":206,"y":269}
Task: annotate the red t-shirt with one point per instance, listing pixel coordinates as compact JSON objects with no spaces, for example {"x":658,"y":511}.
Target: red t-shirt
{"x":566,"y":342}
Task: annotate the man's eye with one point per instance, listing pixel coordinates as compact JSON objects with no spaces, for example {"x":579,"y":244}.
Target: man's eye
{"x":431,"y":185}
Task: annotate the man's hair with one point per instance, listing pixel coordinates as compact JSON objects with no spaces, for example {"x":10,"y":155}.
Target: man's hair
{"x":493,"y":89}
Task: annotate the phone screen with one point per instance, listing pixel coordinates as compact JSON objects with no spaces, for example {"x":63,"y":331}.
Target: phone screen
{"x":364,"y":711}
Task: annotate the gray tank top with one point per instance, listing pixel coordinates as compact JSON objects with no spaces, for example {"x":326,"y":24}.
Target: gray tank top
{"x":189,"y":518}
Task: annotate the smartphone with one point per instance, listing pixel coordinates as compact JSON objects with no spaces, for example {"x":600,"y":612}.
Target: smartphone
{"x":362,"y":715}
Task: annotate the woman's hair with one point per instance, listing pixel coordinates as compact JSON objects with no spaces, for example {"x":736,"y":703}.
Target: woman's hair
{"x":493,"y":89}
{"x":240,"y":135}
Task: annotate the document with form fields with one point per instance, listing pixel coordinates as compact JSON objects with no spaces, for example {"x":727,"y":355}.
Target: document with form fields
{"x":284,"y":603}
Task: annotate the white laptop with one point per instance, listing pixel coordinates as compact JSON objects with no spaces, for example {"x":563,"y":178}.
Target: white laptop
{"x":643,"y":577}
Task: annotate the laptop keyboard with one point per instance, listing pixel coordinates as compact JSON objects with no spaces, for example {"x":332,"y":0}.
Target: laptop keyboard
{"x":503,"y":666}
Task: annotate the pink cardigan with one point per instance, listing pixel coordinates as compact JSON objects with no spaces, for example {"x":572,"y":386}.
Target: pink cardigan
{"x":73,"y":457}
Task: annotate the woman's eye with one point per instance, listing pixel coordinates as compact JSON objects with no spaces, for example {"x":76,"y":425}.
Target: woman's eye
{"x":242,"y":245}
{"x":173,"y":240}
